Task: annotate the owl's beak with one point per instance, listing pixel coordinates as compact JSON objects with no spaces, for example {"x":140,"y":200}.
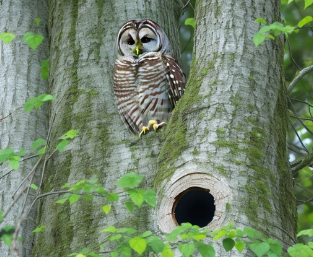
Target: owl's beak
{"x":138,"y":49}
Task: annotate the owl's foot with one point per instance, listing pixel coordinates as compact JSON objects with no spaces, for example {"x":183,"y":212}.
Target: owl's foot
{"x":155,"y":124}
{"x":152,"y":123}
{"x":143,"y":130}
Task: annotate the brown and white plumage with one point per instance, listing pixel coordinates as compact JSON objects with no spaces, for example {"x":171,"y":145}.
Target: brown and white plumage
{"x":147,"y":80}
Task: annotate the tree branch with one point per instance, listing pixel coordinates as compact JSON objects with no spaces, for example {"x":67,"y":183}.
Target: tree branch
{"x":301,"y":163}
{"x":301,"y":74}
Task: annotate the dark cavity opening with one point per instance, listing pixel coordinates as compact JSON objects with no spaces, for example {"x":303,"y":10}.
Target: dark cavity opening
{"x":195,"y":205}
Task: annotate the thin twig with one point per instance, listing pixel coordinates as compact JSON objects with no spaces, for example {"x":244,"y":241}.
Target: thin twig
{"x":29,"y":174}
{"x":290,"y":55}
{"x":5,"y":117}
{"x":294,"y":110}
{"x":301,"y":74}
{"x":302,"y":163}
{"x":304,"y":202}
{"x":186,"y":4}
{"x":302,"y":118}
{"x":298,"y":100}
{"x":13,"y":202}
{"x":48,"y":143}
{"x":298,"y":137}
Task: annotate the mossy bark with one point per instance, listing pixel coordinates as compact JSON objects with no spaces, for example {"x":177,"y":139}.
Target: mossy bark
{"x":83,"y":43}
{"x":20,"y":80}
{"x":232,"y":120}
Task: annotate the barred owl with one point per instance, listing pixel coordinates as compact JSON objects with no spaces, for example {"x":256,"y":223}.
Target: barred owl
{"x":147,"y":80}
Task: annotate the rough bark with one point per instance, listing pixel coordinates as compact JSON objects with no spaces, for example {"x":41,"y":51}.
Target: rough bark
{"x":83,"y":41}
{"x":231,"y":123}
{"x":20,"y":80}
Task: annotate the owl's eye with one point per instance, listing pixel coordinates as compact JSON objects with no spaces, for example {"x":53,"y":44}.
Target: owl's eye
{"x":145,"y":40}
{"x":130,"y":41}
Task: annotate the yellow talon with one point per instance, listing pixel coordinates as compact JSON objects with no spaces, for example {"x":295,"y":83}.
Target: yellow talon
{"x":143,"y":130}
{"x":155,"y":126}
{"x":152,"y":123}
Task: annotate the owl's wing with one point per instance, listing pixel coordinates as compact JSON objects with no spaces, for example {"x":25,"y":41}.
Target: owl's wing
{"x":125,"y":91}
{"x":176,"y":79}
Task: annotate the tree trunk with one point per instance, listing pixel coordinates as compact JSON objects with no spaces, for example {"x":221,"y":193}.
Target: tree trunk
{"x":83,"y":43}
{"x":20,"y":80}
{"x":230,"y":127}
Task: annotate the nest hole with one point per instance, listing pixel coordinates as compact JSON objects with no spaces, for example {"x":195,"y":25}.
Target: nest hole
{"x":194,"y":205}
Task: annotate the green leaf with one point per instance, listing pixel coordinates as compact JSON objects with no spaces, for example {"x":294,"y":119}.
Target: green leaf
{"x":191,"y":22}
{"x":1,"y":216}
{"x":310,"y":244}
{"x":240,"y":245}
{"x":70,"y":134}
{"x":14,"y":162}
{"x":62,"y":144}
{"x":7,"y":234}
{"x":115,"y":237}
{"x":205,"y":250}
{"x":220,"y":234}
{"x":88,"y":197}
{"x":258,"y":38}
{"x":138,"y":244}
{"x":125,"y":250}
{"x":186,"y":249}
{"x":21,"y":153}
{"x":239,"y":232}
{"x":74,"y":198}
{"x":37,"y":20}
{"x":7,"y":37}
{"x":259,"y":248}
{"x":131,"y":180}
{"x":232,"y":234}
{"x":252,"y":233}
{"x":260,"y":20}
{"x":106,"y":209}
{"x":276,"y":246}
{"x":114,"y":254}
{"x":112,"y":197}
{"x":129,"y":206}
{"x":298,"y":250}
{"x":61,"y":201}
{"x":136,"y":195}
{"x":5,"y":154}
{"x":203,"y":71}
{"x":307,"y":232}
{"x":156,"y":244}
{"x":101,"y":190}
{"x":145,"y":234}
{"x":45,"y":98}
{"x":85,"y":250}
{"x":42,"y":151}
{"x":150,"y":197}
{"x":33,"y":40}
{"x":110,"y":229}
{"x":289,"y":1}
{"x":228,"y":244}
{"x":39,"y":229}
{"x":37,"y":143}
{"x":271,"y":254}
{"x":307,"y":3}
{"x":167,"y":251}
{"x":33,"y":186}
{"x":304,"y":21}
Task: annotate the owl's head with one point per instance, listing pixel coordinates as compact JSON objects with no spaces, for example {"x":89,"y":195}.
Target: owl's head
{"x":138,"y":37}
